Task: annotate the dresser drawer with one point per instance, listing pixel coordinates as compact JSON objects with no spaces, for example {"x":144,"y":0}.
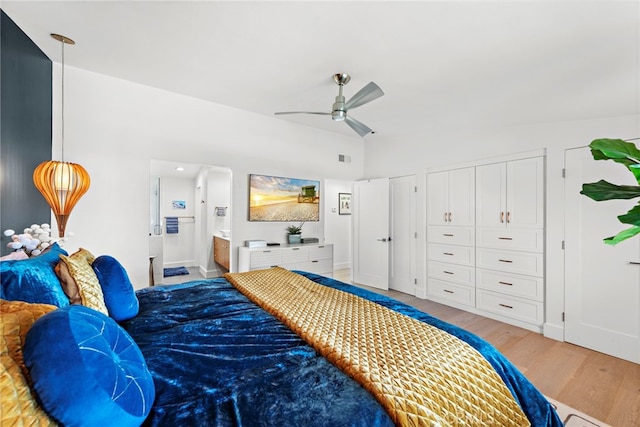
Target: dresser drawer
{"x":451,"y":235}
{"x":510,"y":239}
{"x":294,"y":254}
{"x":460,"y":274}
{"x":265,"y":259}
{"x":514,"y":262}
{"x":451,"y":292}
{"x":321,"y":252}
{"x":511,"y":284}
{"x":322,"y":266}
{"x":462,"y":255}
{"x":510,"y":306}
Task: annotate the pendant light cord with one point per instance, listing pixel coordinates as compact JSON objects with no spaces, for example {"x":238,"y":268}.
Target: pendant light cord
{"x":62,"y":102}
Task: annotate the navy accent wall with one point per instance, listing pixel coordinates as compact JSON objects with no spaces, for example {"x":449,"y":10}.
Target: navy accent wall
{"x":25,"y":128}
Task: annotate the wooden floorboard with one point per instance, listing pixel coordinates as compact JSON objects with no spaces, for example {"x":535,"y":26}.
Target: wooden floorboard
{"x":599,"y":385}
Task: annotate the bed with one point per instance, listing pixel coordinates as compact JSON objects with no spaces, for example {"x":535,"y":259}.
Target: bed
{"x":218,"y":359}
{"x":262,"y":348}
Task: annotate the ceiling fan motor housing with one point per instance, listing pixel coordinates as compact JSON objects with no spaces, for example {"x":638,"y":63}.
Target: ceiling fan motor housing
{"x":338,"y":112}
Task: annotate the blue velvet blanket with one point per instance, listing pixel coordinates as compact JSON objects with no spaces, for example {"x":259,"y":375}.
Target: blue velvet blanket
{"x":217,"y":359}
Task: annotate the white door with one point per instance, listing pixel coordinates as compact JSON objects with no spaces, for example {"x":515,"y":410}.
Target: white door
{"x":525,"y":193}
{"x":602,"y":287}
{"x":402,"y":269}
{"x":491,"y":187}
{"x":438,"y":191}
{"x":370,"y":210}
{"x":462,"y":197}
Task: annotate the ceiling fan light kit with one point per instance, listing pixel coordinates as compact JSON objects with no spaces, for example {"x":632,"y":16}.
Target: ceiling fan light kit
{"x":340,"y":108}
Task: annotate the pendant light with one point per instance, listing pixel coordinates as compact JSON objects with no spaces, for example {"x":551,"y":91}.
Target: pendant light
{"x":61,"y":183}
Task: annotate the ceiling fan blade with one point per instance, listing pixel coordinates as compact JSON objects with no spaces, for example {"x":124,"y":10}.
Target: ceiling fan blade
{"x":360,"y":128}
{"x":367,"y":94}
{"x":301,"y":112}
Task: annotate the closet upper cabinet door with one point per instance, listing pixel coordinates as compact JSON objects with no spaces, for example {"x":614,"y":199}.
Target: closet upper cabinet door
{"x":438,"y":198}
{"x":525,"y":193}
{"x":462,"y":191}
{"x":491,"y":189}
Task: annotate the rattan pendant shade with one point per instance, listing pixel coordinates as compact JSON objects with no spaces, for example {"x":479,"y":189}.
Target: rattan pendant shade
{"x":62,"y":184}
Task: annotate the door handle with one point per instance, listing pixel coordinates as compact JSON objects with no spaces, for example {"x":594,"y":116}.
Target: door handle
{"x":501,"y":217}
{"x":382,"y":240}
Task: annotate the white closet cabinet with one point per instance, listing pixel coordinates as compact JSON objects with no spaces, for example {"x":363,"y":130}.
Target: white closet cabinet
{"x":509,"y":241}
{"x":450,"y":237}
{"x":451,"y":197}
{"x":510,"y":194}
{"x":489,"y":257}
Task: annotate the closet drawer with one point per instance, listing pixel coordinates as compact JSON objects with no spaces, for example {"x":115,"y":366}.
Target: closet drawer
{"x":510,"y":306}
{"x":460,"y":274}
{"x":462,"y":255}
{"x":451,"y":235}
{"x":265,"y":259}
{"x":510,"y":239}
{"x":321,"y":252}
{"x":511,"y":261}
{"x":451,"y":292}
{"x":294,"y":254}
{"x":511,"y":284}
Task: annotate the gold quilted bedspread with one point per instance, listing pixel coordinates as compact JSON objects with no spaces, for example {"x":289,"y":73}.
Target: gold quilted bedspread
{"x":18,"y":405}
{"x":420,"y":374}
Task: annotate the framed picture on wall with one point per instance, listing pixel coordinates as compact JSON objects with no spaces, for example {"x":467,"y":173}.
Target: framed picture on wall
{"x":344,"y":203}
{"x":275,"y":198}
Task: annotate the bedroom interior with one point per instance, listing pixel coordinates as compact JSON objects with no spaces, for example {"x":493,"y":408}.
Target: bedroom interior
{"x":515,"y":93}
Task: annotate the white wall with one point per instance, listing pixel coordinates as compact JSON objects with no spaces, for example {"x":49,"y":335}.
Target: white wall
{"x":440,"y":148}
{"x":337,"y":227}
{"x":115,"y":127}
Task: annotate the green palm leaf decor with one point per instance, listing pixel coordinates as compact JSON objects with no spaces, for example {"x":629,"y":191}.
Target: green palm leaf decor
{"x":628,"y":155}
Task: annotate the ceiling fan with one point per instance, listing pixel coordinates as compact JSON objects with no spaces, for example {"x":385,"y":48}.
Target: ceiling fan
{"x":339,"y":108}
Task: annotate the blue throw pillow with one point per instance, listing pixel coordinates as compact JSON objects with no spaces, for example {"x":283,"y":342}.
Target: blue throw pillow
{"x":119,"y":295}
{"x":87,"y":370}
{"x":34,"y":280}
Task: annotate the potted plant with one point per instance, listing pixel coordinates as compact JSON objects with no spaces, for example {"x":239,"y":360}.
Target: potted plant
{"x":294,"y":233}
{"x":628,"y":155}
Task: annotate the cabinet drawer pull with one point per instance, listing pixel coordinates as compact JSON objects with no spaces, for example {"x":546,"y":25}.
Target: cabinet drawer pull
{"x":634,"y":262}
{"x":447,"y":272}
{"x":505,"y":306}
{"x":320,"y":247}
{"x":505,"y":260}
{"x":295,"y":249}
{"x":266,"y":252}
{"x":506,"y":283}
{"x":505,"y":238}
{"x":447,"y":253}
{"x":502,"y":217}
{"x":315,"y":260}
{"x":448,"y":235}
{"x":448,"y":291}
{"x":508,"y":217}
{"x":450,"y":217}
{"x":445,"y":217}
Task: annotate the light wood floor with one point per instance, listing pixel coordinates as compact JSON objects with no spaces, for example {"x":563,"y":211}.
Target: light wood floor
{"x":602,"y":386}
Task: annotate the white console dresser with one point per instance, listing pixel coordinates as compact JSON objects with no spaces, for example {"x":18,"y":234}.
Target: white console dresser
{"x":311,"y":257}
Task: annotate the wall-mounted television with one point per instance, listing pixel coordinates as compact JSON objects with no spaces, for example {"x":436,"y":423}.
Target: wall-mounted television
{"x":275,"y":198}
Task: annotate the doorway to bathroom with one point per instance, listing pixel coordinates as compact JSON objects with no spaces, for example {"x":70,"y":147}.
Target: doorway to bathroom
{"x":189,"y":205}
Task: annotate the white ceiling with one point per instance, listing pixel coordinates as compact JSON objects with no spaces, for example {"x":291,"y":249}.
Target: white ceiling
{"x":443,"y":64}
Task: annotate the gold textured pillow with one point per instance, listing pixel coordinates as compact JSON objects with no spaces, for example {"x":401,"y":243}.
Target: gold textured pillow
{"x":79,"y":266}
{"x":19,"y":405}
